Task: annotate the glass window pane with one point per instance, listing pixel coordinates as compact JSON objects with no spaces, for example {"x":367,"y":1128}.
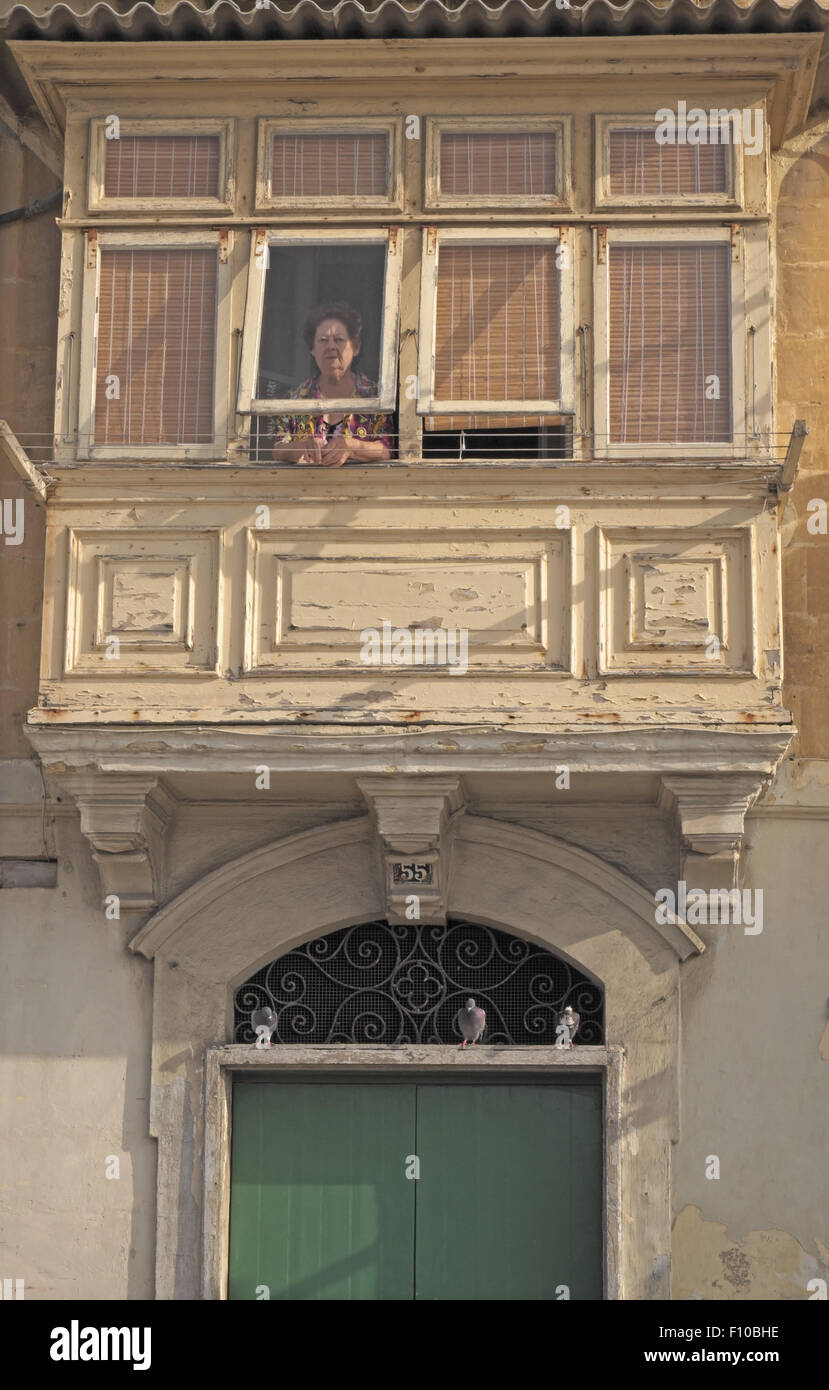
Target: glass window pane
{"x":499,"y":163}
{"x":640,"y":167}
{"x":497,"y":323}
{"x":156,"y":346}
{"x":301,"y":282}
{"x":326,"y":164}
{"x":162,"y":166}
{"x":670,"y":344}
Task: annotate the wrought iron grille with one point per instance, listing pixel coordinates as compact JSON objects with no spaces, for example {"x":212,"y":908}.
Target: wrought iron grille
{"x":376,"y":983}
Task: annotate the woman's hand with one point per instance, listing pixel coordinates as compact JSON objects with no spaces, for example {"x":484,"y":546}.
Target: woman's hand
{"x":307,"y":449}
{"x":337,"y":451}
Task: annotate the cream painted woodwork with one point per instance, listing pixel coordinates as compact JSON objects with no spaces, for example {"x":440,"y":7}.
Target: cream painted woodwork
{"x":436,"y":198}
{"x":267,"y":198}
{"x":302,"y":85}
{"x":101,"y":201}
{"x":634,"y":590}
{"x":661,"y":606}
{"x":732,"y":197}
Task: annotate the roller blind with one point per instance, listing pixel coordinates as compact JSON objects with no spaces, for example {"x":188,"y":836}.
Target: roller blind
{"x":500,"y":163}
{"x":639,"y":166}
{"x":330,"y":165}
{"x":162,"y":166}
{"x":496,"y":328}
{"x":670,"y":344}
{"x":156,"y":346}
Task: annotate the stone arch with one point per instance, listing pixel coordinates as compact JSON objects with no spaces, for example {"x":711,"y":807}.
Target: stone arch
{"x":219,"y":931}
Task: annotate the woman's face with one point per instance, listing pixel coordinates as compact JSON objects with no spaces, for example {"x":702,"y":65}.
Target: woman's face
{"x":333,"y":350}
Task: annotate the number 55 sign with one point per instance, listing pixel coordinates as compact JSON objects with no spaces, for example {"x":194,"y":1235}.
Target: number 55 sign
{"x":411,"y":873}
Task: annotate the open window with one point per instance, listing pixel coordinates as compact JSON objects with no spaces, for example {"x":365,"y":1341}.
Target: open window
{"x":158,"y":165}
{"x":292,"y":276}
{"x":154,"y":351}
{"x":516,"y":162}
{"x":322,"y":164}
{"x":670,"y":371}
{"x":634,"y":168}
{"x":496,"y":343}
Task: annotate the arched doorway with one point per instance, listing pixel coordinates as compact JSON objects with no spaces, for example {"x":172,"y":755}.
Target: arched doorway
{"x":414,"y":1187}
{"x":226,"y":927}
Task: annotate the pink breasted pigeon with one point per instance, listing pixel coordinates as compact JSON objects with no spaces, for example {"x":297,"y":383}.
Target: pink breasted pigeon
{"x":472,"y":1022}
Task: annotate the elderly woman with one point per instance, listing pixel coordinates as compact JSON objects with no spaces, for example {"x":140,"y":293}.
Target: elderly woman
{"x":333,"y":334}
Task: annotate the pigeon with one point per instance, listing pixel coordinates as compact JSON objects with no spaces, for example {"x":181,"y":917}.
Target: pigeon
{"x":263,"y":1022}
{"x":471,"y":1022}
{"x":567,"y":1027}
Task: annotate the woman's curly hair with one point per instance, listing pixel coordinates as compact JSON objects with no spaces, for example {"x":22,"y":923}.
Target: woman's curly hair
{"x":338,"y":310}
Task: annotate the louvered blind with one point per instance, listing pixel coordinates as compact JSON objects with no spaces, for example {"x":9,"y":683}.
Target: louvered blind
{"x":162,"y":166}
{"x":639,"y":166}
{"x":670,"y":344}
{"x":499,"y":163}
{"x":156,"y":346}
{"x":496,"y":328}
{"x":330,"y":165}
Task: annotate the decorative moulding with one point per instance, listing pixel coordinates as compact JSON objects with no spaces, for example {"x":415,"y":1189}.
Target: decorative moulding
{"x":124,"y":818}
{"x":710,"y":812}
{"x":413,"y":817}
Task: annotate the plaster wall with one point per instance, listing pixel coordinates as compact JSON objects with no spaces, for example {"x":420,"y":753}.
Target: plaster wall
{"x":755,"y":1083}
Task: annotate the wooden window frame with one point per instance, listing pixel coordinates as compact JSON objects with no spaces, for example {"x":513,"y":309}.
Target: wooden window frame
{"x":367,"y":202}
{"x":734,"y":239}
{"x":100,"y":201}
{"x":436,"y":126}
{"x":386,"y":400}
{"x":142,"y":240}
{"x":603,"y":126}
{"x":478,"y":236}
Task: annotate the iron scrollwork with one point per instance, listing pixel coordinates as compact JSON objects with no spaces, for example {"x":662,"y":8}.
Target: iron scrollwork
{"x":384,"y":984}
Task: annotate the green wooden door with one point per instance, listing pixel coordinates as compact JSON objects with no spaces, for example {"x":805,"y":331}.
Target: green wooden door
{"x":507,"y":1204}
{"x":319,"y":1204}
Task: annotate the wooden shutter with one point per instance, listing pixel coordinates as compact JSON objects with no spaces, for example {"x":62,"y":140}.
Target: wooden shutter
{"x":330,"y":165}
{"x":162,"y":166}
{"x":640,"y":167}
{"x":496,"y":329}
{"x":157,"y":339}
{"x":499,"y":163}
{"x":670,"y":334}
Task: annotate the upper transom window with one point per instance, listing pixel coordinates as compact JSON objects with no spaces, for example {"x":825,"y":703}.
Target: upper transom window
{"x":148,"y":165}
{"x":511,"y":162}
{"x":329,"y":164}
{"x":637,"y":165}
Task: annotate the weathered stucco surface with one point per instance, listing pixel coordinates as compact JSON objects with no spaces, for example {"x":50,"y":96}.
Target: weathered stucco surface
{"x":727,"y":1054}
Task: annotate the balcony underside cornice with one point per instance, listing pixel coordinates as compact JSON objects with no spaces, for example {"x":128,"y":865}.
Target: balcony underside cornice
{"x":625,"y":748}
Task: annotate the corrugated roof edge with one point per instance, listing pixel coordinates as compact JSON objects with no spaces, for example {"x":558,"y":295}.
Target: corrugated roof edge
{"x":226,"y":21}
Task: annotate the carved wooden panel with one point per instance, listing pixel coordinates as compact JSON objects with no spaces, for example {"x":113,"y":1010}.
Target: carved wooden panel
{"x":312,"y":595}
{"x":142,"y":602}
{"x":676,"y":601}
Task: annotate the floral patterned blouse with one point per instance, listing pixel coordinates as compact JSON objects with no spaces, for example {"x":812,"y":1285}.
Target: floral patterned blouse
{"x":287,"y":429}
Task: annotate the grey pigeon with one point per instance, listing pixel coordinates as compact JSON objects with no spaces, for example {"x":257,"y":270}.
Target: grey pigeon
{"x":472,"y":1022}
{"x":263,"y":1022}
{"x":566,"y":1027}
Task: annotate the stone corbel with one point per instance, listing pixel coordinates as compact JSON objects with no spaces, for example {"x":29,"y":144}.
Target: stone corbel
{"x":413,"y":817}
{"x":124,"y":817}
{"x":710,"y":812}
